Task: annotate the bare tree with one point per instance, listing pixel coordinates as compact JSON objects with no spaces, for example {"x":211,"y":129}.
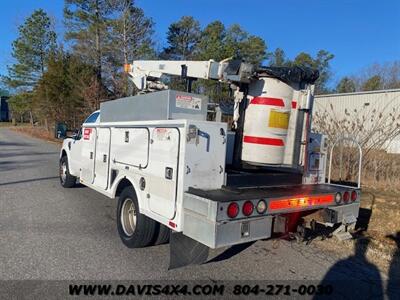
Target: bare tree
{"x":379,"y":76}
{"x":129,"y":37}
{"x":373,"y":127}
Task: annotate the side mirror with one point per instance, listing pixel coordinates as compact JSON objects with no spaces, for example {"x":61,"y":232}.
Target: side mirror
{"x":76,"y":135}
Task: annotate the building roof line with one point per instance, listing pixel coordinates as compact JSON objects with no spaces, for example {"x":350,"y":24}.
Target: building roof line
{"x":358,"y":93}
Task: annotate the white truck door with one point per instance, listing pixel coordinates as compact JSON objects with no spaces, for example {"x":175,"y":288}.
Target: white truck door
{"x":88,"y":154}
{"x":75,"y":155}
{"x":163,"y":169}
{"x":102,"y":160}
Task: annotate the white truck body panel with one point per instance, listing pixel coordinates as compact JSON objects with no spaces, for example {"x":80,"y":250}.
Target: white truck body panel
{"x":135,"y":150}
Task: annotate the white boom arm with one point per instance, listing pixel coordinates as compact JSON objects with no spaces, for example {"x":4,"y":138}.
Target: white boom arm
{"x":145,"y":72}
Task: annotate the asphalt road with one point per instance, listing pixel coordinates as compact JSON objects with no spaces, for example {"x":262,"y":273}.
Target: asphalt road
{"x":48,"y":232}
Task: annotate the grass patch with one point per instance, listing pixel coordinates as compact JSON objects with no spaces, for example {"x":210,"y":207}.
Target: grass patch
{"x":5,"y":124}
{"x":379,"y":218}
{"x":37,"y":132}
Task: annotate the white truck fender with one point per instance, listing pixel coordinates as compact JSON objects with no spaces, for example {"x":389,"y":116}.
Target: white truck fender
{"x":128,"y":179}
{"x":65,"y":150}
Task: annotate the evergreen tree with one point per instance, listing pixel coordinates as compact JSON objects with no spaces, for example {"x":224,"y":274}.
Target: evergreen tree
{"x":62,"y":94}
{"x":36,"y":40}
{"x":372,"y":84}
{"x":21,"y":105}
{"x":278,"y":58}
{"x":218,"y":43}
{"x":321,"y":63}
{"x":86,"y":22}
{"x":346,"y":85}
{"x":182,"y":37}
{"x":31,"y":49}
{"x":240,"y":44}
{"x":211,"y":44}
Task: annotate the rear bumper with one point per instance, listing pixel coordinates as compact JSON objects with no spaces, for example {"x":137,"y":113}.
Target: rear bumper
{"x":225,"y":233}
{"x":203,"y":223}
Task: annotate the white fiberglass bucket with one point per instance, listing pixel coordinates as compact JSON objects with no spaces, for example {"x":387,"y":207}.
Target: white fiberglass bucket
{"x":267,"y":121}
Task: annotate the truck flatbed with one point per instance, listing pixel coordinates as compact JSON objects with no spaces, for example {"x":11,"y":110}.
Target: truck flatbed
{"x":237,"y":194}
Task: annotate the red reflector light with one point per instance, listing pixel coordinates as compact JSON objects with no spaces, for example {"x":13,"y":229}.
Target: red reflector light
{"x":247,"y":208}
{"x":298,"y":202}
{"x":353,"y":196}
{"x":233,"y":210}
{"x":346,"y":196}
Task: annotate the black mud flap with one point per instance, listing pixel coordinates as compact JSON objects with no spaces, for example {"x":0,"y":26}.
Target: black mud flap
{"x":185,"y":251}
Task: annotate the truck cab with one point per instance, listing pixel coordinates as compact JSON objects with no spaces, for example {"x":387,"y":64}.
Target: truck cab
{"x":72,"y":149}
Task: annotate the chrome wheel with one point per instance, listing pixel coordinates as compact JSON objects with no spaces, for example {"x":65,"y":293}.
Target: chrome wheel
{"x":128,"y":217}
{"x":63,"y":171}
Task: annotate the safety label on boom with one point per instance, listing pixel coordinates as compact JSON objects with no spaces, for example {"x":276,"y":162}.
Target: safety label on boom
{"x":278,"y":119}
{"x":188,"y":102}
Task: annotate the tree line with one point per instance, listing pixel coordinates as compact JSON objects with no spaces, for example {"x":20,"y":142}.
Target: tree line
{"x":374,"y":77}
{"x":65,"y":78}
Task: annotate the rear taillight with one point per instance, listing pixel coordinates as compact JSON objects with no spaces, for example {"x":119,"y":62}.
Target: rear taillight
{"x":354,"y":196}
{"x":233,"y":210}
{"x":261,"y":207}
{"x":248,"y":208}
{"x":338,"y":198}
{"x":346,"y":196}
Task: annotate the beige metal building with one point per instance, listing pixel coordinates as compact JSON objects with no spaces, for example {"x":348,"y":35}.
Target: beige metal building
{"x":369,"y":108}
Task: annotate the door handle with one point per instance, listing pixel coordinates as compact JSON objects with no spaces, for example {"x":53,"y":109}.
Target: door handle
{"x":91,"y":155}
{"x":169,"y":172}
{"x":206,"y":136}
{"x":105,"y":158}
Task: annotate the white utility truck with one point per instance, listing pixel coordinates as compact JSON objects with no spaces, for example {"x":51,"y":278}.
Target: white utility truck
{"x":197,"y":183}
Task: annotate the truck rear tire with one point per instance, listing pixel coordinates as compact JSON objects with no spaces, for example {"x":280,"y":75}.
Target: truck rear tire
{"x":135,"y":229}
{"x":163,"y":235}
{"x":66,"y":179}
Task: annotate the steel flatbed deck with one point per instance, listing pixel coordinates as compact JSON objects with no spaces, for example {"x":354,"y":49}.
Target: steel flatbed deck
{"x":237,"y":194}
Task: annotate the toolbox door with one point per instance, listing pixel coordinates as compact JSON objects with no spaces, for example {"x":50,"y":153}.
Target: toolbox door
{"x":163,"y":171}
{"x":102,"y":160}
{"x":88,"y":154}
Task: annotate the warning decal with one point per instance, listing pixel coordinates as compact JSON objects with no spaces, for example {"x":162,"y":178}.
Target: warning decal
{"x":161,"y":134}
{"x":86,"y":133}
{"x":278,"y":119}
{"x":188,"y":102}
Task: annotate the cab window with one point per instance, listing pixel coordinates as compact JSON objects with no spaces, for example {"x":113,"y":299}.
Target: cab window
{"x":92,"y":118}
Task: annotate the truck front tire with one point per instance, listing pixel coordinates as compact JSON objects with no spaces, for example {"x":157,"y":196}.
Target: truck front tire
{"x":135,"y":229}
{"x":66,"y":179}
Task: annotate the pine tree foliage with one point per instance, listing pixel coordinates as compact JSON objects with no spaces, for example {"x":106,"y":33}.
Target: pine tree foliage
{"x":321,"y":62}
{"x":182,"y":37}
{"x":346,"y":85}
{"x":86,"y":22}
{"x":30,"y":50}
